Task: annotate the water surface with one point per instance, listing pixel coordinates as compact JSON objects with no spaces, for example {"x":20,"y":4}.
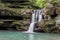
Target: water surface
{"x":10,"y":35}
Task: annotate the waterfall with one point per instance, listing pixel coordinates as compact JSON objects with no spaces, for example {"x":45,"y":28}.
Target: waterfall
{"x":33,"y":16}
{"x":39,"y":15}
{"x":31,"y":27}
{"x":36,"y":17}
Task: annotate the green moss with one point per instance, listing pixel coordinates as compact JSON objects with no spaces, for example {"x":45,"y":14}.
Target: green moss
{"x":53,"y":21}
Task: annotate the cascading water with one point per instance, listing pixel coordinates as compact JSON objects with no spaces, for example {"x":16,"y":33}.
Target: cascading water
{"x":36,"y":17}
{"x":31,"y":27}
{"x":39,"y":15}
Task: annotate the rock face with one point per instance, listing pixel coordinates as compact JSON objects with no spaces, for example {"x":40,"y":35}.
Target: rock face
{"x":51,"y":21}
{"x":22,"y":19}
{"x":46,"y":25}
{"x":17,"y":10}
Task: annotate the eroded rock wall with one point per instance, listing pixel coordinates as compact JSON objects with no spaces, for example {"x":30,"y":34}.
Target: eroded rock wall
{"x":51,"y":21}
{"x":23,"y":18}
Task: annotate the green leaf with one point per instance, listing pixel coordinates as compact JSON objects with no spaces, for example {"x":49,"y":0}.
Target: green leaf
{"x":41,"y":3}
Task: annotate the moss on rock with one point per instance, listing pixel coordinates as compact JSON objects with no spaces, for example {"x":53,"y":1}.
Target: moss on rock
{"x":46,"y":25}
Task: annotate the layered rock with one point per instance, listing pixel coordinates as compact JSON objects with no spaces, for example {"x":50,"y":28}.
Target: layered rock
{"x":17,"y":10}
{"x":22,"y":18}
{"x":51,"y":21}
{"x":46,"y":26}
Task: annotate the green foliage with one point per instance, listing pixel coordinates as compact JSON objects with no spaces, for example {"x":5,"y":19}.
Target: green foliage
{"x":54,"y":1}
{"x":41,"y":3}
{"x":53,"y":21}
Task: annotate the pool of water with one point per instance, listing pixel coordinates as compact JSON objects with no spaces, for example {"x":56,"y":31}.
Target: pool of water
{"x":10,"y":35}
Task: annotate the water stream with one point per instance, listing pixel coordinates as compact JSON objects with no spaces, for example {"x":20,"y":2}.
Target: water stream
{"x":36,"y":17}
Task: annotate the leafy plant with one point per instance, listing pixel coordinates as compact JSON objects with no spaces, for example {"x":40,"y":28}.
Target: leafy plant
{"x":41,"y":3}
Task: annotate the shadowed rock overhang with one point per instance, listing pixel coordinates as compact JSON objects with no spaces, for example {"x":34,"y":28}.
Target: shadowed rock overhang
{"x":14,"y":0}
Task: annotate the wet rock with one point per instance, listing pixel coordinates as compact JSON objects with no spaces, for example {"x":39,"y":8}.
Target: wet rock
{"x":58,"y":10}
{"x":46,"y":25}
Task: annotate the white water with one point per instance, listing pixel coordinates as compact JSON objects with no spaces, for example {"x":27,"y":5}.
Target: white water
{"x":39,"y":15}
{"x":33,"y":16}
{"x":31,"y":27}
{"x":36,"y":16}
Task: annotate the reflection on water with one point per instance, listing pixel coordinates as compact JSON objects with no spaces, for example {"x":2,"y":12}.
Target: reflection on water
{"x":31,"y":37}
